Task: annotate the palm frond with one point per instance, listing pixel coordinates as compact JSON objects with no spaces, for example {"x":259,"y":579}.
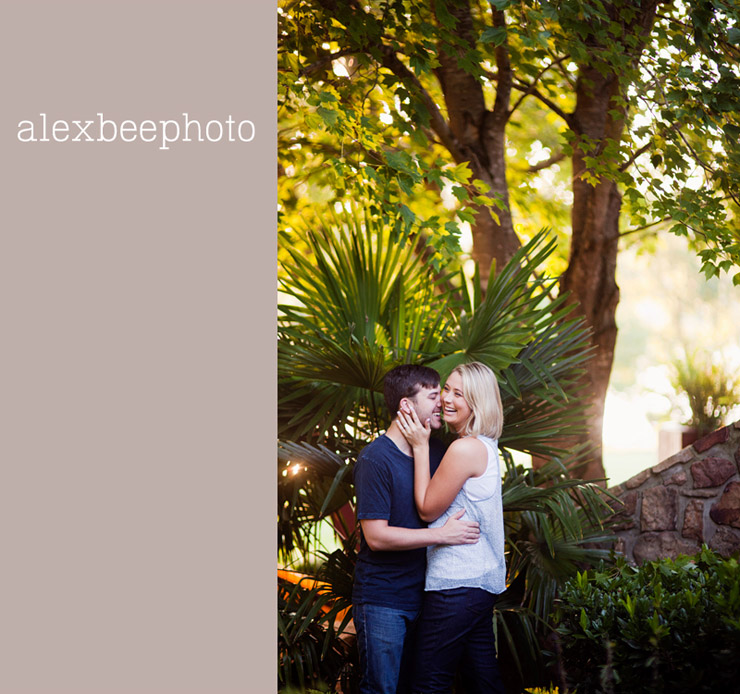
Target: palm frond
{"x":555,"y":525}
{"x":358,"y":304}
{"x":313,"y":483}
{"x":533,"y":343}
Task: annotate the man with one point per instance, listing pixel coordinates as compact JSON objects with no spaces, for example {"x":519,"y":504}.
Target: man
{"x":389,"y":575}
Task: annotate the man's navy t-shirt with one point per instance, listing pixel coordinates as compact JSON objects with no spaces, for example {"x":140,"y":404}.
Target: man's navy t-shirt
{"x":384,"y":484}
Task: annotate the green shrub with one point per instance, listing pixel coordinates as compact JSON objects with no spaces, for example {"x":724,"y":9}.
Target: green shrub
{"x":667,"y":626}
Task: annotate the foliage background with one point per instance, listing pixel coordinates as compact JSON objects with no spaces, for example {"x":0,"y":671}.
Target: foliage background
{"x":590,"y":117}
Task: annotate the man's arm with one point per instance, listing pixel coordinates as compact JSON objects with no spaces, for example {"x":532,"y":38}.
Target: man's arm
{"x":383,"y":537}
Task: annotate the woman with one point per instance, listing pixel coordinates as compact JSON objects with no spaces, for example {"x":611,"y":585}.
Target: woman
{"x":455,"y":627}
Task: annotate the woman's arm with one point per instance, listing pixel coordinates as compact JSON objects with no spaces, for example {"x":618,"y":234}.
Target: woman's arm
{"x":465,"y":458}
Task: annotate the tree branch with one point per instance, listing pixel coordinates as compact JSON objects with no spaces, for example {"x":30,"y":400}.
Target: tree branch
{"x":535,"y":80}
{"x":646,"y":226}
{"x":676,"y":127}
{"x":567,"y":117}
{"x":501,"y":110}
{"x":554,"y":159}
{"x":687,"y":28}
{"x":392,"y":62}
{"x":634,"y":156}
{"x":438,"y":122}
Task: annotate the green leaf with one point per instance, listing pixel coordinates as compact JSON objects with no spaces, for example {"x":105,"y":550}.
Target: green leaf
{"x":494,"y":35}
{"x":408,"y":216}
{"x":443,"y":15}
{"x":460,"y":193}
{"x":328,"y":116}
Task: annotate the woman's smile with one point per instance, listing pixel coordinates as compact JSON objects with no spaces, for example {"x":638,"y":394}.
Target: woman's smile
{"x":455,"y":409}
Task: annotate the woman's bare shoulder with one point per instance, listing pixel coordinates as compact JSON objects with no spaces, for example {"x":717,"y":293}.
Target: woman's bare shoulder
{"x":470,"y":449}
{"x":467,"y":444}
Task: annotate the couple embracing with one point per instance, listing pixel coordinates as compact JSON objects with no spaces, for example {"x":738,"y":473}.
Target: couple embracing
{"x":423,"y":596}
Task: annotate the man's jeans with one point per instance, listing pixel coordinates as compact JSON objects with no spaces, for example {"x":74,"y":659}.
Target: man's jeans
{"x":385,"y":641}
{"x":456,"y":629}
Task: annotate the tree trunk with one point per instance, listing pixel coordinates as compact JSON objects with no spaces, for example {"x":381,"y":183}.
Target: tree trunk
{"x":481,"y":136}
{"x":591,"y":273}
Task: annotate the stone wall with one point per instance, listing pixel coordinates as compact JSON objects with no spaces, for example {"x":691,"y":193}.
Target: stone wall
{"x":691,"y":498}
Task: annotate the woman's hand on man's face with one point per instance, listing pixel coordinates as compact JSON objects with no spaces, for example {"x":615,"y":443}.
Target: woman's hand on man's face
{"x":416,"y":433}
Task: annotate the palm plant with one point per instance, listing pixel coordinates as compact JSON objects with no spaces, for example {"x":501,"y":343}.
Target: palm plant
{"x":312,"y":652}
{"x":359,"y":298}
{"x":360,"y":301}
{"x":712,"y":390}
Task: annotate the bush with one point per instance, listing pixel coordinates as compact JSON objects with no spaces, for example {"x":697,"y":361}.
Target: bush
{"x":667,"y":626}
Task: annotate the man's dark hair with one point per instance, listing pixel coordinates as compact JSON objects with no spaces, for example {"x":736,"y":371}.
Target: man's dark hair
{"x":405,"y":381}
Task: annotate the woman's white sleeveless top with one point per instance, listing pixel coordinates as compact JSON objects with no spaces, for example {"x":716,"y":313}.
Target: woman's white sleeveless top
{"x":480,"y":565}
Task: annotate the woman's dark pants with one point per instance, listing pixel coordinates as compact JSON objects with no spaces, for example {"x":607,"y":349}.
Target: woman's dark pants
{"x":456,"y":630}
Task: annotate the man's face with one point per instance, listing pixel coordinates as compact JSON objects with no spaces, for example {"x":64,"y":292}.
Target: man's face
{"x":428,"y":405}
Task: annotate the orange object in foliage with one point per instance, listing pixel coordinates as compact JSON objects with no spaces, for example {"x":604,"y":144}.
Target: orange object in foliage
{"x":309,"y":583}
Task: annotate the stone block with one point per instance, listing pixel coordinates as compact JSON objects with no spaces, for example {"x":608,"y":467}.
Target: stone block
{"x":677,"y":478}
{"x":693,"y":520}
{"x":659,"y":509}
{"x":682,"y":456}
{"x":699,"y":493}
{"x":638,"y":479}
{"x":630,"y":503}
{"x":624,"y":511}
{"x":726,"y":541}
{"x":727,"y":510}
{"x":711,"y":472}
{"x":706,"y":442}
{"x":653,"y":546}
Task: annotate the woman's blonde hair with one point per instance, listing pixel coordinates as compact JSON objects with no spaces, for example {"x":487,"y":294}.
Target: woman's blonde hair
{"x":480,"y":390}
